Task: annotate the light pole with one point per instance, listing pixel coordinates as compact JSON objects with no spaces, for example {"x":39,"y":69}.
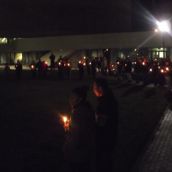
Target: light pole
{"x":163,"y":27}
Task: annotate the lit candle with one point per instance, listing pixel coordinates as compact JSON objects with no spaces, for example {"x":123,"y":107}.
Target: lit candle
{"x":162,"y":70}
{"x":66,"y":122}
{"x":65,"y":119}
{"x":167,"y":69}
{"x":32,"y":66}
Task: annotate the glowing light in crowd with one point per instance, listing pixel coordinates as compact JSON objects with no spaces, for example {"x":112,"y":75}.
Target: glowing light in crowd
{"x":66,"y":122}
{"x":32,"y":66}
{"x":150,"y":70}
{"x":65,"y":119}
{"x":162,"y":70}
{"x":19,"y":56}
{"x":167,"y":69}
{"x":143,"y":63}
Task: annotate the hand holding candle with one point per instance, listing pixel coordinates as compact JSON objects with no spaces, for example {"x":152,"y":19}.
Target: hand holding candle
{"x":66,"y":121}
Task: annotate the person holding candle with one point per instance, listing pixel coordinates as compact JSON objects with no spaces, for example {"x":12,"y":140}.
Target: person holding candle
{"x":106,"y":124}
{"x":80,"y":140}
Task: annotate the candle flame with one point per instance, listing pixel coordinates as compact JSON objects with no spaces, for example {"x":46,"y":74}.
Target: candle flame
{"x":150,"y":69}
{"x":66,"y":122}
{"x":162,"y":70}
{"x":32,"y":66}
{"x":65,"y":119}
{"x":167,"y":69}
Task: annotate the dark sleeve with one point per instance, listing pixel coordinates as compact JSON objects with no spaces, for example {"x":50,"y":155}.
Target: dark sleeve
{"x":107,"y":112}
{"x":72,"y":138}
{"x":102,"y":113}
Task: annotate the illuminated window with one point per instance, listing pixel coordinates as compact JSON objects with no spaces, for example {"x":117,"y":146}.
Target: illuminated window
{"x":18,"y":56}
{"x":161,"y":54}
{"x":3,"y":40}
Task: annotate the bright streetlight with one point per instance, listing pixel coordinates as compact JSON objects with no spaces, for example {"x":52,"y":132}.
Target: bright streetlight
{"x":163,"y":26}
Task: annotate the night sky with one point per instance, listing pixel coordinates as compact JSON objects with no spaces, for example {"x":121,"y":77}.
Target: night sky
{"x":61,"y":17}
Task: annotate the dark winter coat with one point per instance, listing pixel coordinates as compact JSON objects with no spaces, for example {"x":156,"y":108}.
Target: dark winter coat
{"x":80,"y":141}
{"x":106,"y":122}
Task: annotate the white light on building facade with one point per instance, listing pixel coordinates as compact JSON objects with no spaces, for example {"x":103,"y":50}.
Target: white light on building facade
{"x":3,"y":40}
{"x":18,"y":56}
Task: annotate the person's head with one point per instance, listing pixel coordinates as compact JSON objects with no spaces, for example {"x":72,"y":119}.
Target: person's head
{"x":100,"y":87}
{"x":78,"y":95}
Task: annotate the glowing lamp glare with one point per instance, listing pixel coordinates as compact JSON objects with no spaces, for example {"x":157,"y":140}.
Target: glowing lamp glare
{"x":163,"y":26}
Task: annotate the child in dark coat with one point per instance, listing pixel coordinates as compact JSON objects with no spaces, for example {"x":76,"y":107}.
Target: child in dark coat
{"x":80,"y":141}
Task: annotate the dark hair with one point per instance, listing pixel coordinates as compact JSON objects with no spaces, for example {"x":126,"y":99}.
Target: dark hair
{"x":81,"y":91}
{"x":102,"y":82}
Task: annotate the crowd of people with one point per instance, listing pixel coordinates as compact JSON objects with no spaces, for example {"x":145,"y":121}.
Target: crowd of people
{"x":153,"y":71}
{"x":63,"y":67}
{"x":143,"y":70}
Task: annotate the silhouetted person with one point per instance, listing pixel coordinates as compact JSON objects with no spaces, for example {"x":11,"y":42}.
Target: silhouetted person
{"x":52,"y":61}
{"x":88,"y":67}
{"x":6,"y":70}
{"x":44,"y":68}
{"x":19,"y":69}
{"x":60,"y":66}
{"x":80,"y":141}
{"x":93,"y":68}
{"x":128,"y":69}
{"x":81,"y":70}
{"x":155,"y":73}
{"x":138,"y":71}
{"x":106,"y":125}
{"x":33,"y":69}
{"x":119,"y":65}
{"x":68,"y":70}
{"x":39,"y":68}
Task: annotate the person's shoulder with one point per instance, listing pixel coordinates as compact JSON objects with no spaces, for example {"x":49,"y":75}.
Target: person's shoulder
{"x":86,"y":106}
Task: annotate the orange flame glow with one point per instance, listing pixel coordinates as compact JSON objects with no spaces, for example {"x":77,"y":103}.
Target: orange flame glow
{"x":66,"y":122}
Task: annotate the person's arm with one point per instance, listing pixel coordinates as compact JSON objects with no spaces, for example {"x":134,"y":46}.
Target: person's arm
{"x":101,"y":119}
{"x":73,"y":135}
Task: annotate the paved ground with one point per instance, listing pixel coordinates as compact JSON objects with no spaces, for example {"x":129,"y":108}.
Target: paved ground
{"x":31,"y":137}
{"x":158,"y":154}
